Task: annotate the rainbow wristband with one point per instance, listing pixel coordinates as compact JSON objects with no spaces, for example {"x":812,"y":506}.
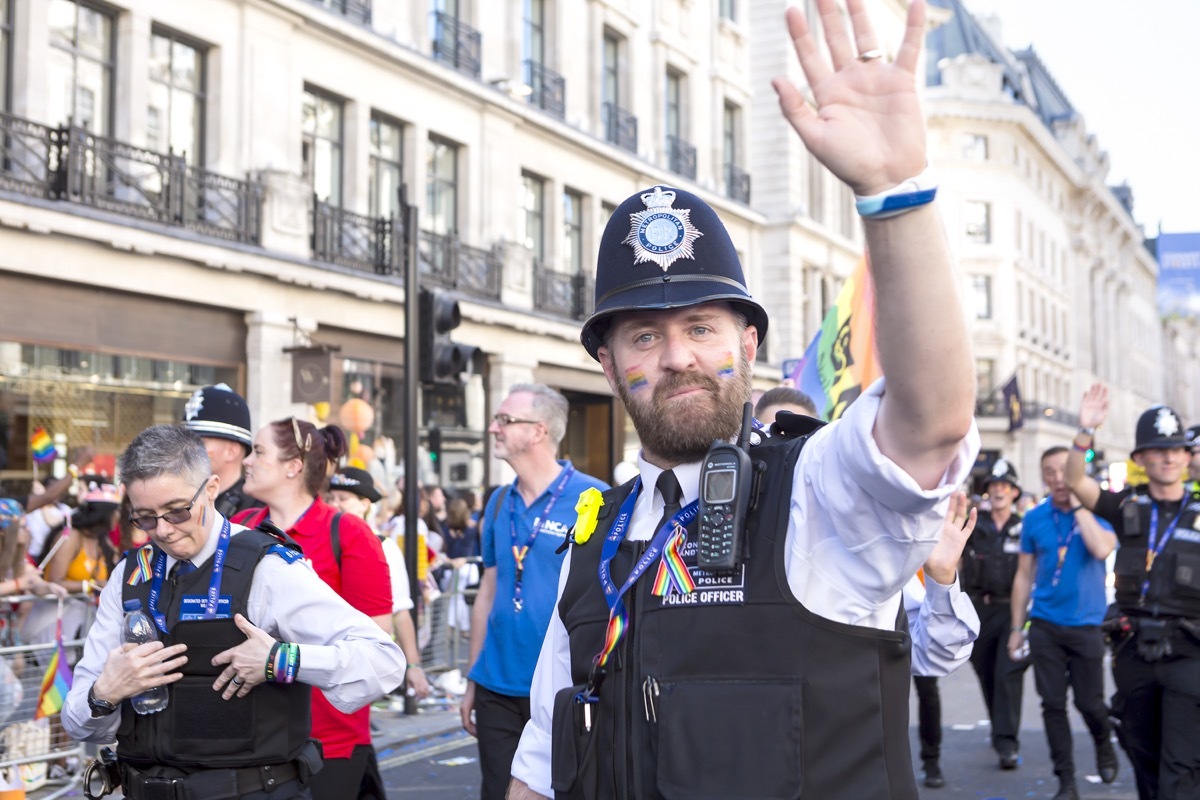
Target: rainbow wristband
{"x":270,"y":669}
{"x":904,"y":197}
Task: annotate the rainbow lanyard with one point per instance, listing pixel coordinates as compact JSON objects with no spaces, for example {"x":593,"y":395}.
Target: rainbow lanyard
{"x":214,"y":584}
{"x":520,"y":551}
{"x":618,"y":617}
{"x":1156,"y":546}
{"x":1063,"y":545}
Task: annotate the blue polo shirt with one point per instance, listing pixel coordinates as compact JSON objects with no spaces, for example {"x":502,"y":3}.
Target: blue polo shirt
{"x":514,"y":638}
{"x":1079,"y":596}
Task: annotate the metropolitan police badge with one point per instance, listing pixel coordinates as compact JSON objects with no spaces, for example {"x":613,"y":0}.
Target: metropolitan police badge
{"x":661,"y":234}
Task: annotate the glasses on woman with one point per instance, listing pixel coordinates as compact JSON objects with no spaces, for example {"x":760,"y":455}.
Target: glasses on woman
{"x":504,"y":420}
{"x":304,"y":444}
{"x":176,"y":516}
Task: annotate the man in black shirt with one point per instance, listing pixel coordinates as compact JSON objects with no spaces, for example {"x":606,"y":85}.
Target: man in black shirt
{"x":1155,"y":633}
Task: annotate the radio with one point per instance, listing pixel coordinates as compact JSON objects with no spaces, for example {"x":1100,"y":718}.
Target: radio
{"x":725,"y":482}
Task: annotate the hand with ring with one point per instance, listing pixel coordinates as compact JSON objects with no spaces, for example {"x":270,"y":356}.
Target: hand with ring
{"x":245,"y":664}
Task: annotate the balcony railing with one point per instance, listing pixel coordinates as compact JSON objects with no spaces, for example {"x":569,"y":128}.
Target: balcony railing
{"x":445,"y":261}
{"x":620,"y":127}
{"x":737,"y":184}
{"x":354,"y":10}
{"x":1031,"y":411}
{"x":72,"y":164}
{"x":371,"y":244}
{"x":560,"y":293}
{"x":681,"y":157}
{"x":549,"y":89}
{"x":456,"y":43}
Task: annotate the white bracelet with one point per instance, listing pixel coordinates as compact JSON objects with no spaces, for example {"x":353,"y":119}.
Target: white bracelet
{"x":903,"y":197}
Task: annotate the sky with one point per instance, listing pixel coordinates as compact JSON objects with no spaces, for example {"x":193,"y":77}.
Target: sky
{"x":1132,"y":69}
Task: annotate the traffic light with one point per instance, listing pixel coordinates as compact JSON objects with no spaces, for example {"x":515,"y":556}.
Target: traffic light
{"x":435,"y":446}
{"x":441,"y":359}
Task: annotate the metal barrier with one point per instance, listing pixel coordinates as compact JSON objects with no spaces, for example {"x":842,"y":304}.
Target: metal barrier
{"x":39,"y":750}
{"x":447,"y":620}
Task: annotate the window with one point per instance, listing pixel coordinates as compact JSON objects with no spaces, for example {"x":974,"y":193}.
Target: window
{"x":79,"y":72}
{"x":731,"y":123}
{"x":533,"y":218}
{"x":534,"y":43}
{"x":681,"y":154}
{"x":387,"y":166}
{"x":322,"y":145}
{"x":573,"y":232}
{"x":816,"y":189}
{"x":673,"y":113}
{"x":980,"y":293}
{"x":728,"y":9}
{"x":5,"y":51}
{"x":985,"y":378}
{"x":614,"y":46}
{"x":441,"y":206}
{"x":620,"y":126}
{"x":975,"y":147}
{"x":175,"y":108}
{"x":977,"y":221}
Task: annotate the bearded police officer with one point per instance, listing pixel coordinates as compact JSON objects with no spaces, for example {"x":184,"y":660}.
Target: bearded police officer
{"x":1156,"y":632}
{"x":221,"y":418}
{"x":786,"y":674}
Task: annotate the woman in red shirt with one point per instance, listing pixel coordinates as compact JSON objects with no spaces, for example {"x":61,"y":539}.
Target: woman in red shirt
{"x":288,"y":469}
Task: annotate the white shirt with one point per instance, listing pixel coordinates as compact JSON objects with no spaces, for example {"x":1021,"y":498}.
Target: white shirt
{"x":943,"y":624}
{"x":342,"y":651}
{"x":859,"y":528}
{"x":401,"y":594}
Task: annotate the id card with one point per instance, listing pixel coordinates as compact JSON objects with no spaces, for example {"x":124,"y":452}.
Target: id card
{"x":191,"y":607}
{"x":1012,"y":546}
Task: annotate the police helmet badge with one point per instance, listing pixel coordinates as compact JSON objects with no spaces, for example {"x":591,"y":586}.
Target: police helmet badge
{"x":1166,"y":423}
{"x":1000,"y":470}
{"x":661,"y":234}
{"x":194,"y":405}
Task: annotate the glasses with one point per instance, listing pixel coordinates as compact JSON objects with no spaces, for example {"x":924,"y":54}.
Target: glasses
{"x":176,"y":516}
{"x":504,"y":420}
{"x":304,"y":444}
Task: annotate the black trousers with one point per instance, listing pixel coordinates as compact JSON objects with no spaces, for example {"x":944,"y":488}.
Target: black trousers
{"x":1061,"y":657}
{"x":929,"y":717}
{"x":499,"y":720}
{"x":353,"y":778}
{"x":1001,"y":678}
{"x":1158,"y":706}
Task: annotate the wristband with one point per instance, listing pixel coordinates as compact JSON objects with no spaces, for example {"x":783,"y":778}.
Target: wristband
{"x":1080,"y":447}
{"x":270,"y":668}
{"x":1087,"y":431}
{"x":905,"y":196}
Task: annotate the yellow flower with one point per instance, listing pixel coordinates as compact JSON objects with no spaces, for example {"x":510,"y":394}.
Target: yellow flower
{"x":588,"y":508}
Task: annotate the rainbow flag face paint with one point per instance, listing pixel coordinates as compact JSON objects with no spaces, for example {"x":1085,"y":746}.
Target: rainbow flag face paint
{"x":636,"y":379}
{"x":725,"y":368}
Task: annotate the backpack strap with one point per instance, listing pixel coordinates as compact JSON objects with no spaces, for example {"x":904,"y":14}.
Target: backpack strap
{"x":335,"y":540}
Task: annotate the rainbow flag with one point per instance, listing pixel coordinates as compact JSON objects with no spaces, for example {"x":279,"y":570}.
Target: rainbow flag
{"x":841,"y":360}
{"x":57,"y":680}
{"x":42,"y":446}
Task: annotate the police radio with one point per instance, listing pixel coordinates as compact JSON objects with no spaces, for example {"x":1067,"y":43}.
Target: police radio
{"x":725,"y":480}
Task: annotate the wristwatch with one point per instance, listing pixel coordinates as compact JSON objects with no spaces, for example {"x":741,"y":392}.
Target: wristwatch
{"x":100,"y":708}
{"x":1087,"y":431}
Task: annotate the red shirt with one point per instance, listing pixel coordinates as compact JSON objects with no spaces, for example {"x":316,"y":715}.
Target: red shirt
{"x":364,"y":582}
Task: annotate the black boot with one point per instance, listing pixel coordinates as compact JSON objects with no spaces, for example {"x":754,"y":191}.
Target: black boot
{"x":1067,"y":790}
{"x":933,"y":774}
{"x":1106,"y":760}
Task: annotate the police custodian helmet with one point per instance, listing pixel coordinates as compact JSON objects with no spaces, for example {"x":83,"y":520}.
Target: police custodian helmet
{"x":1159,"y":427}
{"x":219,"y":412}
{"x":666,"y":248}
{"x":1004,"y":472}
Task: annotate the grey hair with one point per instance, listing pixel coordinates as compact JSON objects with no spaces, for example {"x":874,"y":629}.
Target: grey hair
{"x":549,"y":406}
{"x":165,"y":450}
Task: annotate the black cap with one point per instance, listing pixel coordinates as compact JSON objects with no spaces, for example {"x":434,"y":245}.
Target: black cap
{"x":1192,"y":434}
{"x":220,"y":413}
{"x":1159,"y":427}
{"x":356,"y":481}
{"x":666,"y":248}
{"x":1004,"y":472}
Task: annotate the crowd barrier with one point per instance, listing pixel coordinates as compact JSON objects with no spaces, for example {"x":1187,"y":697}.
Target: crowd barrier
{"x":445,"y":627}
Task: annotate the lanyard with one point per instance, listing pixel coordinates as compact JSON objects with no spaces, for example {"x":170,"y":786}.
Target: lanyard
{"x":519,"y":551}
{"x":618,"y":618}
{"x":1155,"y":546}
{"x":1063,"y":544}
{"x":214,"y":584}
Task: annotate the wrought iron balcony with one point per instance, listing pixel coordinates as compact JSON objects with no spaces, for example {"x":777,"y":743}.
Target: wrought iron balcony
{"x":456,"y":43}
{"x":549,"y":89}
{"x":447,"y":262}
{"x":371,"y":244}
{"x":354,"y":10}
{"x":1031,"y":411}
{"x":564,"y":294}
{"x":681,"y":157}
{"x":74,"y":165}
{"x":737,"y":184}
{"x":620,"y":127}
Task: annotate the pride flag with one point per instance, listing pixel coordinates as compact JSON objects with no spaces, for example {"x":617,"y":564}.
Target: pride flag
{"x":42,"y":446}
{"x":57,"y":680}
{"x":841,"y":359}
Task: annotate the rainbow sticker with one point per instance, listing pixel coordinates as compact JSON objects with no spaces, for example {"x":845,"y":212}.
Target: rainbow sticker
{"x":725,"y":370}
{"x":636,"y":379}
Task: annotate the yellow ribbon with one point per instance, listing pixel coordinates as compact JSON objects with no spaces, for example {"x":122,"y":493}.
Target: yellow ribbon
{"x":588,"y":508}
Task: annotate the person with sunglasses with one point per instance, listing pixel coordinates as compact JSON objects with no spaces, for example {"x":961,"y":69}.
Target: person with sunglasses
{"x":524,"y":527}
{"x":244,"y":625}
{"x":288,"y":469}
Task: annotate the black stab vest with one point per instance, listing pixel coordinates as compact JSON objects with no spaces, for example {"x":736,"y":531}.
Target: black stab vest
{"x":198,"y":729}
{"x":988,"y":568}
{"x":1175,"y":578}
{"x":740,"y":692}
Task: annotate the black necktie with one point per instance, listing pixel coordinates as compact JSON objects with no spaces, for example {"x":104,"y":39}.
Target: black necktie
{"x":668,"y":487}
{"x":181,"y":569}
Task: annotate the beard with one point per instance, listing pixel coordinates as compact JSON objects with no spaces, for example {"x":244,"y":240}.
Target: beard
{"x":682,"y":431}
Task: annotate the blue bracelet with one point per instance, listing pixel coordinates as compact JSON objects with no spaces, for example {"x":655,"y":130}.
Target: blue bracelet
{"x":905,"y":196}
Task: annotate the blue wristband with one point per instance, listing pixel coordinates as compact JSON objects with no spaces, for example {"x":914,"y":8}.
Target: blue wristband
{"x":906,"y":196}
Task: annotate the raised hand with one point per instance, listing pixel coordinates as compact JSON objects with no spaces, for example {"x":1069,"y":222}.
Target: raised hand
{"x":1094,"y":408}
{"x":868,"y":128}
{"x":956,"y":529}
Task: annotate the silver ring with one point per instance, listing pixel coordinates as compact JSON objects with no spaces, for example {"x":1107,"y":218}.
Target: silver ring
{"x":237,"y":680}
{"x":870,"y":55}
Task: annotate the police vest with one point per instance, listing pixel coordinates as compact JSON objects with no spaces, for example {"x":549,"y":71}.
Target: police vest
{"x":1175,"y":576}
{"x":990,"y":558}
{"x":234,"y":500}
{"x":198,"y":729}
{"x":734,"y":690}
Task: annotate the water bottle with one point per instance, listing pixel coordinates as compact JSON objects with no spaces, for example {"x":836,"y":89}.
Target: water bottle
{"x":138,"y":630}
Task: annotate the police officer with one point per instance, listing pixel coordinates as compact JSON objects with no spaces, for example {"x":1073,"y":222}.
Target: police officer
{"x":244,"y":625}
{"x":988,"y":567}
{"x":1156,"y":633}
{"x":657,"y":678}
{"x":221,"y":418}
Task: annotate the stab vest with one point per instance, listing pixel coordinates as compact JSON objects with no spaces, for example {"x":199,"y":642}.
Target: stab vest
{"x":990,"y":558}
{"x":198,"y":729}
{"x":735,"y":690}
{"x":1175,"y":578}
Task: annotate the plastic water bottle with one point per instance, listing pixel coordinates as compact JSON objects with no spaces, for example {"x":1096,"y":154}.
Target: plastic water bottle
{"x":138,"y":630}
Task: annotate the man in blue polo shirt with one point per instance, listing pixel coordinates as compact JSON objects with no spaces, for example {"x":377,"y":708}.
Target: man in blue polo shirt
{"x":1063,"y":547}
{"x":524,"y":526}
